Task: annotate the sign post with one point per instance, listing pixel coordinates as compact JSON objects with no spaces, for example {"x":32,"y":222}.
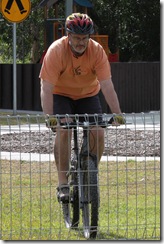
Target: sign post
{"x":15,"y":11}
{"x":14,"y":71}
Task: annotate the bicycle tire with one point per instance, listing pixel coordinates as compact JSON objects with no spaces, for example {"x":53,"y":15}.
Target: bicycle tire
{"x":91,"y":193}
{"x":71,"y":210}
{"x":75,"y":208}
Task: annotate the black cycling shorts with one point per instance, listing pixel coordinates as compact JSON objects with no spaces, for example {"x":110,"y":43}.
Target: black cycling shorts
{"x":64,"y":105}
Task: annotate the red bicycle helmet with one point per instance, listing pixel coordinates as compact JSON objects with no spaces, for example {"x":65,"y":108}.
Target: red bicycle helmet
{"x":78,"y":23}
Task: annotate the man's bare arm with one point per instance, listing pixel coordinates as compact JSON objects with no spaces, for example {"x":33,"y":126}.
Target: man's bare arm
{"x":110,"y":95}
{"x":47,"y":97}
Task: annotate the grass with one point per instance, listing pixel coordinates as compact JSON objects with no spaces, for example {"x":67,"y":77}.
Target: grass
{"x":129,"y":206}
{"x":7,"y":118}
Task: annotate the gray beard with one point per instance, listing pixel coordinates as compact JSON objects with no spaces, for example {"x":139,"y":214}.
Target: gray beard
{"x":76,"y":54}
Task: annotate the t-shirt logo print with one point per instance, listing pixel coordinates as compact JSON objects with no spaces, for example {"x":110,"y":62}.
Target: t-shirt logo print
{"x":77,"y":71}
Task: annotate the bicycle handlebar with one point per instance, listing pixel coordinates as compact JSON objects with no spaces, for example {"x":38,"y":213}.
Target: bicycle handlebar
{"x":85,"y":124}
{"x":72,"y":122}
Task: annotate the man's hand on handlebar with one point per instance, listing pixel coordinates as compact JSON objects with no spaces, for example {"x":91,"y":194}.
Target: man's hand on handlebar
{"x":51,"y":123}
{"x":117,"y":120}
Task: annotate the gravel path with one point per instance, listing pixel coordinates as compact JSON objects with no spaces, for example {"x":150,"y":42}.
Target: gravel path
{"x":122,"y":142}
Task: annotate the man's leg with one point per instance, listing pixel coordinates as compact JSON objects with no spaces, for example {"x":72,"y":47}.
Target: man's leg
{"x":62,"y":147}
{"x":8,"y":6}
{"x":97,"y":141}
{"x":20,"y":6}
{"x":62,"y":151}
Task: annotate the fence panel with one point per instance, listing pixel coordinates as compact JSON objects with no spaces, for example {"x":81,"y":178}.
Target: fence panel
{"x":137,"y":86}
{"x":129,"y":181}
{"x":6,"y":86}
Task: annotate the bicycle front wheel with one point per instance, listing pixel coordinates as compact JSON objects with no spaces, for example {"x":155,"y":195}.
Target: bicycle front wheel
{"x":71,"y":210}
{"x":90,"y":198}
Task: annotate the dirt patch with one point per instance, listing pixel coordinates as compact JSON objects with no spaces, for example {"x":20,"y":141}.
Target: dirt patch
{"x":122,"y":142}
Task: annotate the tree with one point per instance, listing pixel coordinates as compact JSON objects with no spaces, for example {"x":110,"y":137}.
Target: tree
{"x":30,"y":35}
{"x":140,"y":30}
{"x":133,"y":28}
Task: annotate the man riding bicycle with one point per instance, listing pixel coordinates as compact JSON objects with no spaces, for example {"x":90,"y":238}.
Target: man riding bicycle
{"x":74,"y":70}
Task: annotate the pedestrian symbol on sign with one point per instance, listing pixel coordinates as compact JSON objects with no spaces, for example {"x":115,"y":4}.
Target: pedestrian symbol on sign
{"x":19,"y":4}
{"x":15,"y":10}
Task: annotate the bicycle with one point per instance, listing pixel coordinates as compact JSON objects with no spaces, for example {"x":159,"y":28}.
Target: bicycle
{"x":83,"y":180}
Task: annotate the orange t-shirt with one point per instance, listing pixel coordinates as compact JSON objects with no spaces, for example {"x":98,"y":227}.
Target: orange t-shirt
{"x":75,"y":77}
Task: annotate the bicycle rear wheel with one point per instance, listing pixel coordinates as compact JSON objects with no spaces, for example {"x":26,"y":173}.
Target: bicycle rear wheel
{"x":91,"y":198}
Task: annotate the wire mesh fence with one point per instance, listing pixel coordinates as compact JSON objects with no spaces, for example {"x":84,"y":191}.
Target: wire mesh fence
{"x":129,"y":181}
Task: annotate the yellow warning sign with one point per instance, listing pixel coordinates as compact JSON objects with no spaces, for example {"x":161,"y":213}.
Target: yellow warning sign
{"x":15,"y":10}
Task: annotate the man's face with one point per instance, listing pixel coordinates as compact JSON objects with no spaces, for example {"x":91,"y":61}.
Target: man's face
{"x":78,"y":42}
